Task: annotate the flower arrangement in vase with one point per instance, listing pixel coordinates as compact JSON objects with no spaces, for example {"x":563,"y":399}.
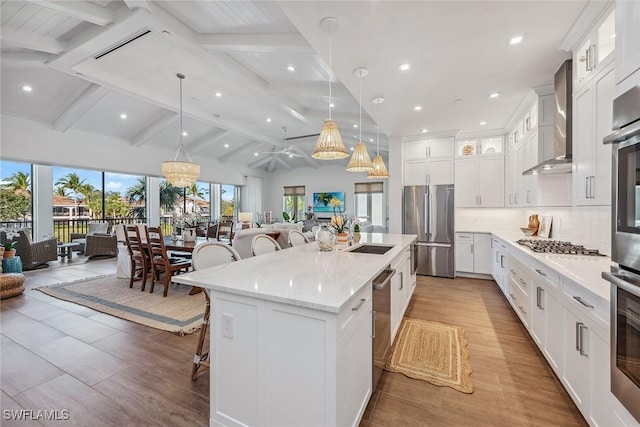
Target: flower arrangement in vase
{"x":339,"y":222}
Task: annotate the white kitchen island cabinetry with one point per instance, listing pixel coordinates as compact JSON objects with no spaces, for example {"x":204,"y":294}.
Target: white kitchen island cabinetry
{"x":401,"y":289}
{"x":291,"y":334}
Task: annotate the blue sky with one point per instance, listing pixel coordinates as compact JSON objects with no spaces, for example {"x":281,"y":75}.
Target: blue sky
{"x":113,"y":181}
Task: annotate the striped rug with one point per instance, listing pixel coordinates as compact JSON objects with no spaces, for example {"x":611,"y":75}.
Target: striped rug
{"x":432,"y":352}
{"x":178,"y":312}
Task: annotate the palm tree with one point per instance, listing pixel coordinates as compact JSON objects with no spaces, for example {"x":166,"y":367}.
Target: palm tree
{"x":137,"y":196}
{"x":20,"y":183}
{"x":72,"y":182}
{"x":61,"y":191}
{"x":196,"y":191}
{"x":168,"y":196}
{"x":90,"y":193}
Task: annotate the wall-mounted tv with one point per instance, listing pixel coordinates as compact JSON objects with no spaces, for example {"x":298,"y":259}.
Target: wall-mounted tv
{"x":321,"y":201}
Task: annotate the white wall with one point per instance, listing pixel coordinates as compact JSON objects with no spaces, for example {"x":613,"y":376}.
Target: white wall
{"x":33,"y":142}
{"x":327,"y":179}
{"x":396,"y":181}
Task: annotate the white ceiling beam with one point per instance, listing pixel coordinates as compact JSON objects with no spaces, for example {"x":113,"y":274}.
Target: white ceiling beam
{"x":81,"y":106}
{"x":261,"y":161}
{"x":137,"y":4}
{"x":305,"y":157}
{"x":25,"y":59}
{"x":159,"y":124}
{"x":206,"y":140}
{"x":82,"y":10}
{"x":27,"y":41}
{"x":236,"y":151}
{"x":261,"y":43}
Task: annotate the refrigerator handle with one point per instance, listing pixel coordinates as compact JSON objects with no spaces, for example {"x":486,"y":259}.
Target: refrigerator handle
{"x":430,"y":213}
{"x":426,"y":213}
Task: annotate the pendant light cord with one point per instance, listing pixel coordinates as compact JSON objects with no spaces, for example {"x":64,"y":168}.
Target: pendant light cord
{"x":377,"y":140}
{"x":330,"y":70}
{"x":360,"y":101}
{"x":181,"y":145}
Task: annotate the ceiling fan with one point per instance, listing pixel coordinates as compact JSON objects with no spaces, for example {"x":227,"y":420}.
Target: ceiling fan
{"x":287,"y":150}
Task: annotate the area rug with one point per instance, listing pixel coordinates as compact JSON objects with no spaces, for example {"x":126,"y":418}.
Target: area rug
{"x":432,"y":352}
{"x":178,"y":312}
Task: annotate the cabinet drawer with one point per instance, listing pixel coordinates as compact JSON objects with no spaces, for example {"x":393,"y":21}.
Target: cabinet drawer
{"x":592,"y":304}
{"x":358,"y":305}
{"x":520,"y":302}
{"x":519,"y":277}
{"x":549,"y":276}
{"x":464,"y":237}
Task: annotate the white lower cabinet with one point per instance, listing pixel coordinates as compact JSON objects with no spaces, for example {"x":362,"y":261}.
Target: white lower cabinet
{"x":498,"y":262}
{"x":473,"y":253}
{"x":401,"y":290}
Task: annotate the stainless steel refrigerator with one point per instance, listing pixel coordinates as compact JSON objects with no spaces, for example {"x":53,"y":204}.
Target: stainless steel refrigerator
{"x":428,"y":212}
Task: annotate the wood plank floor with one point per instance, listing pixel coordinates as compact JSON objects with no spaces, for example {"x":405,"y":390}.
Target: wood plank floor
{"x":514,"y":386}
{"x":110,"y":372}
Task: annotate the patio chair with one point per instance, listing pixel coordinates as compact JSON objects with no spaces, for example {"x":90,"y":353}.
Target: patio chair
{"x":101,"y":245}
{"x":33,"y":254}
{"x":93,"y":228}
{"x":208,"y":255}
{"x":160,"y":260}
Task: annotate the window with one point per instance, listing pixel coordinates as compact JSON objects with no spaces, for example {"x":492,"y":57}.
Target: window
{"x":15,"y":194}
{"x":369,"y":198}
{"x":293,"y":202}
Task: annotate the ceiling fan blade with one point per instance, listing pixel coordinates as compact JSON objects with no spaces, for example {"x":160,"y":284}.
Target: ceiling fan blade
{"x":302,"y":136}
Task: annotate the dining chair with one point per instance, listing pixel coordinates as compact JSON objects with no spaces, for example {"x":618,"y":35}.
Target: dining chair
{"x":207,"y":255}
{"x":296,"y":238}
{"x":138,"y":256}
{"x":263,"y":244}
{"x":160,"y":260}
{"x":225,"y":229}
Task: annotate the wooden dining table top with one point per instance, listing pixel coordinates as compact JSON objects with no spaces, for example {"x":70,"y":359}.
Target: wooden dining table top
{"x":180,"y":245}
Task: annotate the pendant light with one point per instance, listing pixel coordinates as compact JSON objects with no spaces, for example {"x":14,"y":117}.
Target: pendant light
{"x":360,"y":160}
{"x":379,"y":169}
{"x":179,"y":173}
{"x":330,"y":145}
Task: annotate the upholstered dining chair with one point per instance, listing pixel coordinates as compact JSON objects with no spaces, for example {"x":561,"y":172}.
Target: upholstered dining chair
{"x":263,"y":244}
{"x":139,"y":262}
{"x":160,"y":260}
{"x":296,"y":238}
{"x":207,"y":255}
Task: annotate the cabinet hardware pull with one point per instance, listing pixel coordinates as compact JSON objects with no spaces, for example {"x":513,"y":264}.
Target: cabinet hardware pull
{"x":524,"y":282}
{"x":357,"y":307}
{"x":586,"y":187}
{"x":582,"y":327}
{"x":583,"y":302}
{"x":512,"y":271}
{"x":539,"y":298}
{"x":401,"y":281}
{"x":578,"y":324}
{"x":512,"y":297}
{"x":522,"y":310}
{"x":592,"y":57}
{"x":373,"y":324}
{"x":541,"y":273}
{"x":592,"y":193}
{"x":501,"y":261}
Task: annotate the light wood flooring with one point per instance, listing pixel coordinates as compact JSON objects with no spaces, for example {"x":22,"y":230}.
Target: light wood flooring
{"x":110,"y":372}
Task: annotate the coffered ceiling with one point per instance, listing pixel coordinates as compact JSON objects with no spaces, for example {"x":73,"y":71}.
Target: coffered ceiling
{"x":88,"y":62}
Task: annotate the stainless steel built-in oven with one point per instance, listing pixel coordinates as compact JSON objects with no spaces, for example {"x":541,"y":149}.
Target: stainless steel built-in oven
{"x":625,"y":251}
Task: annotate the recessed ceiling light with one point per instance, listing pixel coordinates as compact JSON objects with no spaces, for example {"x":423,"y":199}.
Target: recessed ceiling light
{"x":268,"y":119}
{"x":482,"y":123}
{"x":370,"y":139}
{"x":218,"y":94}
{"x":255,"y":154}
{"x":185,"y":133}
{"x":355,"y":125}
{"x":226,"y":145}
{"x":378,"y":100}
{"x":425,"y":130}
{"x":27,"y":88}
{"x":331,"y":105}
{"x":494,"y":95}
{"x":418,"y":107}
{"x":291,"y":68}
{"x":515,"y":40}
{"x":123,"y":116}
{"x":405,"y":67}
{"x":351,"y":148}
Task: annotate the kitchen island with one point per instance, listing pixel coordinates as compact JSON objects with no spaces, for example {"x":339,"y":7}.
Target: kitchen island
{"x":291,"y":334}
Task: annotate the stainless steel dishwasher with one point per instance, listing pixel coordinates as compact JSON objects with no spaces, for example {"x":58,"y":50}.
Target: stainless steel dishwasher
{"x":381,"y":322}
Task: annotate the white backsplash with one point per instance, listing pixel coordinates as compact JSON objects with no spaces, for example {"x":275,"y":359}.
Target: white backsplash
{"x":587,"y":226}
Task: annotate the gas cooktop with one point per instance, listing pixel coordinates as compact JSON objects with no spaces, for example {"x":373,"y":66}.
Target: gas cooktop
{"x":557,"y":247}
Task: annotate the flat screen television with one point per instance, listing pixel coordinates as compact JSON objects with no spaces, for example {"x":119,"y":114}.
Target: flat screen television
{"x":321,"y":201}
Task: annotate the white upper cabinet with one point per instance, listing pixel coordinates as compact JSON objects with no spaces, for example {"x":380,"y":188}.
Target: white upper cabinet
{"x":627,"y":39}
{"x":595,"y":51}
{"x":429,"y":162}
{"x":479,"y":182}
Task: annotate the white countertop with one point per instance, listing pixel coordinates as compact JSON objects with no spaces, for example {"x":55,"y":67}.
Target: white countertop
{"x":584,"y":271}
{"x":302,"y":275}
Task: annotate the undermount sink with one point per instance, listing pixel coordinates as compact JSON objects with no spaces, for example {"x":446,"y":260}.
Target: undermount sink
{"x":371,"y":249}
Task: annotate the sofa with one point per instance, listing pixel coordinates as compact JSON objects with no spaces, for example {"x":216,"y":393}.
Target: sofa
{"x":33,"y":254}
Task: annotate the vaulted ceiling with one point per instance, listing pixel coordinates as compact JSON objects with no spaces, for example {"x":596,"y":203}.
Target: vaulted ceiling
{"x":88,"y":62}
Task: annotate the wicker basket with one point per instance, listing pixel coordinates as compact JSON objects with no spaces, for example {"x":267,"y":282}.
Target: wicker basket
{"x":11,"y":285}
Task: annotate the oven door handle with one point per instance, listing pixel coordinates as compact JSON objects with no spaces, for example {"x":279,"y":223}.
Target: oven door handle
{"x":620,"y":282}
{"x":622,"y":134}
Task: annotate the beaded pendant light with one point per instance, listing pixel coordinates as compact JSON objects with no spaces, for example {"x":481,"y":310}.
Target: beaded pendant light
{"x":179,"y":173}
{"x":360,"y":160}
{"x":330,"y":145}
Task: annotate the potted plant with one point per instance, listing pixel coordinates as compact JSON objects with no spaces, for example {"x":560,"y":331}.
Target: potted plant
{"x":9,"y":249}
{"x":309,"y":213}
{"x":339,"y":222}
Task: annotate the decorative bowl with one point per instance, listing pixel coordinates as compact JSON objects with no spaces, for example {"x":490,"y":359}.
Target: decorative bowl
{"x":527,"y":231}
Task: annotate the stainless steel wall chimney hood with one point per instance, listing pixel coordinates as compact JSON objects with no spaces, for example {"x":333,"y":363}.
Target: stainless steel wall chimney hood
{"x":563,"y":125}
